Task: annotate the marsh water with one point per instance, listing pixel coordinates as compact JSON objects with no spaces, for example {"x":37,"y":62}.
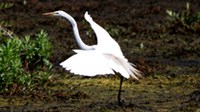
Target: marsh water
{"x":166,"y":51}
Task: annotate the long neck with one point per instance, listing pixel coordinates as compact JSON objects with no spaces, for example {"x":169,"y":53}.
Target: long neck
{"x":81,"y":44}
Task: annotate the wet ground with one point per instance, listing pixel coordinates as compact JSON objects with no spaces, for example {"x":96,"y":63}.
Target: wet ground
{"x":166,"y":51}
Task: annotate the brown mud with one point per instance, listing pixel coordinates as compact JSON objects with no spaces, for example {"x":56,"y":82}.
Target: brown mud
{"x":167,"y":53}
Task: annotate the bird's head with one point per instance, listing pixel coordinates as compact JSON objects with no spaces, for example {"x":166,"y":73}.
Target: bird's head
{"x":55,"y":13}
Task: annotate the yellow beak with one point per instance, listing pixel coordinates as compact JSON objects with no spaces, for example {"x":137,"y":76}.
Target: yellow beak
{"x":48,"y":14}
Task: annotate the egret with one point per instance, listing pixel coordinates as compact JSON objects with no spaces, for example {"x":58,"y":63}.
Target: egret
{"x":104,"y":58}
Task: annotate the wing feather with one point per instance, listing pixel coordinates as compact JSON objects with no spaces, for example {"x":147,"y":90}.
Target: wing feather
{"x":87,"y":63}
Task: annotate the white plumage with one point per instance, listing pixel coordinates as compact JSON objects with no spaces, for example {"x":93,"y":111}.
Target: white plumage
{"x":84,"y":63}
{"x":104,"y":58}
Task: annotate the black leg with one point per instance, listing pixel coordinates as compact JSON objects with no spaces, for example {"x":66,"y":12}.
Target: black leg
{"x":119,"y":92}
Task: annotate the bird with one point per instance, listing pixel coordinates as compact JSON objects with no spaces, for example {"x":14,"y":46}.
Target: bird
{"x":104,"y":58}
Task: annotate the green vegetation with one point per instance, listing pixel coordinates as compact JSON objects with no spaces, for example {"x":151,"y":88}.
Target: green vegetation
{"x":4,"y":23}
{"x":171,"y":74}
{"x":35,"y":53}
{"x":5,"y":5}
{"x":24,"y":63}
{"x":185,"y":18}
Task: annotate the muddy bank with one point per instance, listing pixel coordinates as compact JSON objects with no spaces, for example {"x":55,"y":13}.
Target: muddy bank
{"x":156,"y":93}
{"x":167,"y":52}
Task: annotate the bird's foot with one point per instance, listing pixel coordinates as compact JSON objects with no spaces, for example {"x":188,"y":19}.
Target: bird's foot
{"x":121,"y":102}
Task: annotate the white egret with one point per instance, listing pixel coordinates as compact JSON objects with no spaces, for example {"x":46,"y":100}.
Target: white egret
{"x":104,"y":58}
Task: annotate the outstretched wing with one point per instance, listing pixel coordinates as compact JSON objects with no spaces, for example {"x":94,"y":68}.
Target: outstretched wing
{"x":87,"y":63}
{"x":105,"y":42}
{"x":112,"y":52}
{"x":92,"y":63}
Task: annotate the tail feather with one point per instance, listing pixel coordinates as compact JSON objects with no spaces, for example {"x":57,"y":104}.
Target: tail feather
{"x":122,"y":66}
